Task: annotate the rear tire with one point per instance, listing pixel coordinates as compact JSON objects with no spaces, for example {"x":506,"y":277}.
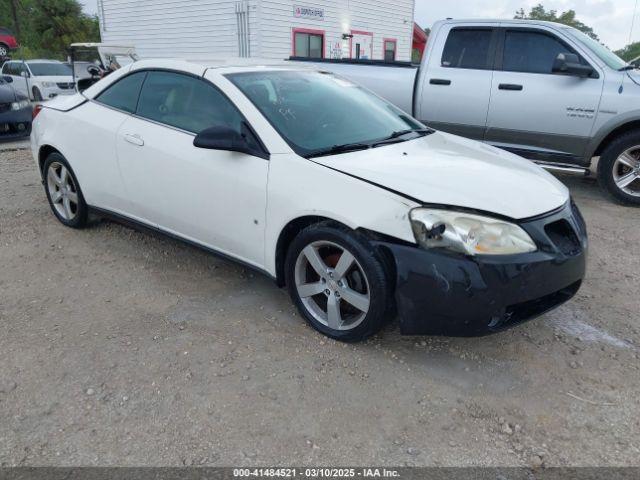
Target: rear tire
{"x":63,"y":192}
{"x":619,"y":168}
{"x":338,"y":282}
{"x":4,"y":50}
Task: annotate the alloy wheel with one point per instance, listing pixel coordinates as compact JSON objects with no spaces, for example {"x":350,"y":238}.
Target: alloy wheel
{"x":626,"y":171}
{"x":62,"y":191}
{"x":332,"y":285}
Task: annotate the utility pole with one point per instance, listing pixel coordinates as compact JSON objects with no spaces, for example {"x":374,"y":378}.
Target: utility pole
{"x":14,"y":12}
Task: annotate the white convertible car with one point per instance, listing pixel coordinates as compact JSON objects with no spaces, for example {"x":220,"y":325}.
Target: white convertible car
{"x":361,"y":211}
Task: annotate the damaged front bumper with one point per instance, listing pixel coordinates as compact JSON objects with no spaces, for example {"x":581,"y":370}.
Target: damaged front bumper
{"x":443,"y":293}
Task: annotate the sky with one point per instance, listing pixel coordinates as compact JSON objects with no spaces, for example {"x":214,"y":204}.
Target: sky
{"x":611,"y":19}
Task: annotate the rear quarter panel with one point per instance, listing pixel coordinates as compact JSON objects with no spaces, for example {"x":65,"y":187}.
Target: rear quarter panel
{"x":86,"y":138}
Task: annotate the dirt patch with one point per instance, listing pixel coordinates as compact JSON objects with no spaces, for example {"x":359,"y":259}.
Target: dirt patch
{"x":120,"y":348}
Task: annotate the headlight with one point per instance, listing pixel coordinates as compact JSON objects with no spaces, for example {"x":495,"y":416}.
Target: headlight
{"x":20,"y":105}
{"x":48,"y":84}
{"x":467,"y":233}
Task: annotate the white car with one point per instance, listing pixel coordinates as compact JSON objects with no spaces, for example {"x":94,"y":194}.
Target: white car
{"x":40,"y":79}
{"x":361,"y":211}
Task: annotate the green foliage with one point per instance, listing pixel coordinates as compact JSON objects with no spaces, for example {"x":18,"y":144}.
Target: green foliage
{"x":630,"y":52}
{"x":566,"y":18}
{"x":48,"y":27}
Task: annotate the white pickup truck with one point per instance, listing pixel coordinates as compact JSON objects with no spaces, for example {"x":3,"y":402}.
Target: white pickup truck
{"x":542,"y":90}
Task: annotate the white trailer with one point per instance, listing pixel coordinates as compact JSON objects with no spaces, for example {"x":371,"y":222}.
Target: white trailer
{"x":269,"y":29}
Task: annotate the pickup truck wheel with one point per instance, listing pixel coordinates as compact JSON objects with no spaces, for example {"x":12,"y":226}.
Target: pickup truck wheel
{"x":4,"y":50}
{"x":619,"y":168}
{"x":337,"y":282}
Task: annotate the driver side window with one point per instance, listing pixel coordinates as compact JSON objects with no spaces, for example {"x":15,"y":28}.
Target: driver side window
{"x":186,"y":102}
{"x":532,"y":52}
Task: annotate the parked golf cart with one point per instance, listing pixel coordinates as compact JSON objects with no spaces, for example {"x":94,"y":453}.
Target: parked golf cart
{"x":91,"y":62}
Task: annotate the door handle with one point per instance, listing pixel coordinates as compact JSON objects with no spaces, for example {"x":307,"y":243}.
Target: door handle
{"x":439,"y":81}
{"x":510,"y":86}
{"x":134,"y":139}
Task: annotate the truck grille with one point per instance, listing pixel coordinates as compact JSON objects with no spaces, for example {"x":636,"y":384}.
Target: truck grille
{"x":66,"y":86}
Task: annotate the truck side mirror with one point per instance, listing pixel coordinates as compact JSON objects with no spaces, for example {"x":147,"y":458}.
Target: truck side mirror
{"x":569,"y":64}
{"x":7,"y":79}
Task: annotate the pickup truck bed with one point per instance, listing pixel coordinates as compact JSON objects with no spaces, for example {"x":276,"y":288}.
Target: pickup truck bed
{"x":393,"y":81}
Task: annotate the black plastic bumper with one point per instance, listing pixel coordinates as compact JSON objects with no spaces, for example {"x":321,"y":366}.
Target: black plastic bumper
{"x":442,"y":293}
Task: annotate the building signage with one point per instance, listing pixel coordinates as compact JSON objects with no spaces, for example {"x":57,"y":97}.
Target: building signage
{"x":308,"y":12}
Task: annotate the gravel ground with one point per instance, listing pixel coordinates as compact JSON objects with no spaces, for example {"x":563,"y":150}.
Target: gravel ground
{"x":121,"y":348}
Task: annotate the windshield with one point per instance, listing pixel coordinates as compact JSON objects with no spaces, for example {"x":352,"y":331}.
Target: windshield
{"x":316,"y":111}
{"x":603,"y":53}
{"x":49,"y":69}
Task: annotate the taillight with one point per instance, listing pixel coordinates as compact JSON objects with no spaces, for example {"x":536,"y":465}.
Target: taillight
{"x":36,"y":110}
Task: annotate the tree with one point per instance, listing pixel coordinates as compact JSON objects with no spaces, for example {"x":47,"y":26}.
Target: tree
{"x":567,"y":18}
{"x":48,"y":27}
{"x":630,"y":52}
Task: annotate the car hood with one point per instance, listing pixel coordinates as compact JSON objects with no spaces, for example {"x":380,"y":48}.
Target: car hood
{"x":7,"y":94}
{"x":445,"y":169}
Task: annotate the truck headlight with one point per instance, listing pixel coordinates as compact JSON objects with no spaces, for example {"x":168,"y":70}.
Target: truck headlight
{"x":467,"y":233}
{"x":48,"y":84}
{"x":20,"y":105}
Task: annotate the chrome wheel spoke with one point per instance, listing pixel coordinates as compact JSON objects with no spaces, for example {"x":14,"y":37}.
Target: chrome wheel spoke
{"x":627,"y":160}
{"x":53,"y":178}
{"x":315,"y":261}
{"x":64,"y":176}
{"x":334,"y":318}
{"x":344,"y":264}
{"x":66,"y":204}
{"x":626,"y":180}
{"x":311,"y":289}
{"x":73,"y":197}
{"x":358,"y":300}
{"x":56,"y":196}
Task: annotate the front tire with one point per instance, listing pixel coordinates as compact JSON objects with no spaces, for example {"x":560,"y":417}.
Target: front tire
{"x":63,"y":192}
{"x":4,"y":50}
{"x":338,"y":282}
{"x":619,"y":168}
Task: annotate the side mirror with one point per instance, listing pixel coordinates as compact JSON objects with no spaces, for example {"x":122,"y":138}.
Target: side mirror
{"x":224,"y":138}
{"x":7,"y":79}
{"x":569,"y":64}
{"x":24,"y":74}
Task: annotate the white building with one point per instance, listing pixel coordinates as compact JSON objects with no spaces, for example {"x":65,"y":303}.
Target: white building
{"x":273,"y":29}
